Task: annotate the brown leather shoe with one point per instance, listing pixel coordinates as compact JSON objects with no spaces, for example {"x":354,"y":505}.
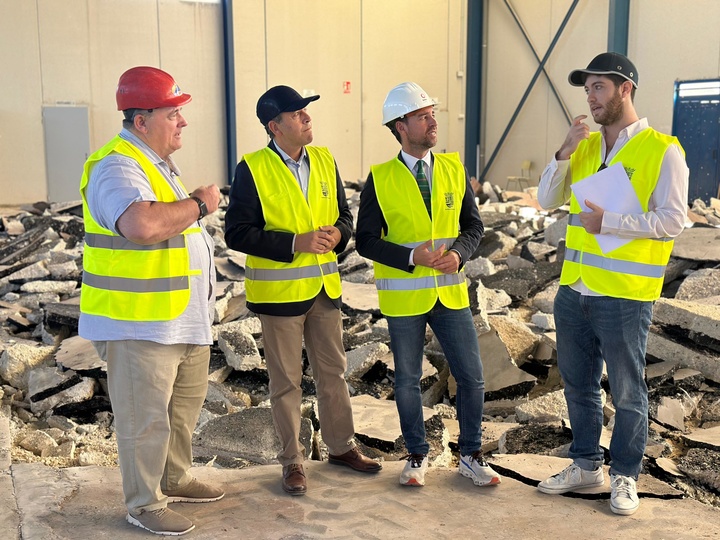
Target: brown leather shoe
{"x":355,"y":460}
{"x":294,"y":479}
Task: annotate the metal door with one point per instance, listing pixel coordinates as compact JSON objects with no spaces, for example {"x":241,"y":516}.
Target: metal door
{"x":67,"y":146}
{"x":696,"y":123}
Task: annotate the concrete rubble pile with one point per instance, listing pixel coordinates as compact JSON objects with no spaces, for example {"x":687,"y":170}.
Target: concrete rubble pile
{"x":54,"y":391}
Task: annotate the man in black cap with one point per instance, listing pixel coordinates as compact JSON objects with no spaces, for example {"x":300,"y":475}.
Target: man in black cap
{"x":288,"y":212}
{"x":603,"y":307}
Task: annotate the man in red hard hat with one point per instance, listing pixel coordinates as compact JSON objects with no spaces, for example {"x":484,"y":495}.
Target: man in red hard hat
{"x":147,"y":297}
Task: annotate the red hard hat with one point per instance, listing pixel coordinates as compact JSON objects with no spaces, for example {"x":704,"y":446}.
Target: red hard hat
{"x":146,"y":87}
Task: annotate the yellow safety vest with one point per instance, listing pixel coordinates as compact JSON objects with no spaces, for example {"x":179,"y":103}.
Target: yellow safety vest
{"x":285,"y":209}
{"x":634,"y":271}
{"x":127,"y":281}
{"x":403,"y":293}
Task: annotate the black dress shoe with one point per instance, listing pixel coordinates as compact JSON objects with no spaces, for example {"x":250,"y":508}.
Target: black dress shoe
{"x":355,"y":460}
{"x":294,"y":479}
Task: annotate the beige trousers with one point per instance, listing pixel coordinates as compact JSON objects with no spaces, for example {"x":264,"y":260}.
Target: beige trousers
{"x":321,"y":327}
{"x":156,"y":392}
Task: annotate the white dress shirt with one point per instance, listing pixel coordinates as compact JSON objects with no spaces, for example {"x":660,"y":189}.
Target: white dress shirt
{"x":667,"y":207}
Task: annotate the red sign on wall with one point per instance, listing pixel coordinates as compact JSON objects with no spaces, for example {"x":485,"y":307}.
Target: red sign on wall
{"x":346,"y":87}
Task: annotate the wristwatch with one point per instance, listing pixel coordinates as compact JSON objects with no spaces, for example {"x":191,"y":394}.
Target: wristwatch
{"x":201,"y":206}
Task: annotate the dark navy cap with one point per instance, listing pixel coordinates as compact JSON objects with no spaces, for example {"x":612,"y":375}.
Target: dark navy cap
{"x":606,"y":64}
{"x":280,"y":99}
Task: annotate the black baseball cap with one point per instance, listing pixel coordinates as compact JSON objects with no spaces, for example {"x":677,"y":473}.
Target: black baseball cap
{"x":606,"y":64}
{"x":280,"y":99}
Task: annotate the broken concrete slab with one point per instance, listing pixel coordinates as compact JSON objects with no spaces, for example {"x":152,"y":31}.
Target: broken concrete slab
{"x":663,"y":348}
{"x":699,"y":244}
{"x":702,"y":465}
{"x":360,"y":360}
{"x":241,"y":350}
{"x":503,"y":379}
{"x":547,"y":408}
{"x":700,"y":284}
{"x":360,"y":296}
{"x":49,"y":388}
{"x":20,"y":358}
{"x":699,"y":320}
{"x":519,"y":339}
{"x":704,"y":438}
{"x":79,"y":354}
{"x":248,"y":434}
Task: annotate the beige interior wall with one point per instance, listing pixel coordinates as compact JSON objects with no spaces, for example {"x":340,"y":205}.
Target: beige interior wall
{"x":540,"y":126}
{"x":368,"y":44}
{"x":671,"y":41}
{"x":22,"y":165}
{"x":314,"y":50}
{"x":667,"y":40}
{"x":423,"y":48}
{"x":73,"y":52}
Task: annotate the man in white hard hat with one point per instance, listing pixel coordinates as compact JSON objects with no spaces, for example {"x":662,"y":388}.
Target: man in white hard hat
{"x":603,"y":308}
{"x":147,"y":299}
{"x":411,"y":210}
{"x":288,"y":212}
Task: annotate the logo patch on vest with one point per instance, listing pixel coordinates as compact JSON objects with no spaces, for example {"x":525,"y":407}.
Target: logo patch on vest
{"x":450,"y":200}
{"x":629,"y":171}
{"x":324,"y":189}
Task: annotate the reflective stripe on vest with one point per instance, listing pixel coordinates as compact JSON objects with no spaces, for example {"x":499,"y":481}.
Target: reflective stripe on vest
{"x":286,"y":274}
{"x":615,"y":265}
{"x":402,"y":293}
{"x":120,"y":243}
{"x":416,"y":284}
{"x":135,"y":285}
{"x":285,"y":209}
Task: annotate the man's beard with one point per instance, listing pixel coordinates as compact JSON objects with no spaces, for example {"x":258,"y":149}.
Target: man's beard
{"x":612,"y":111}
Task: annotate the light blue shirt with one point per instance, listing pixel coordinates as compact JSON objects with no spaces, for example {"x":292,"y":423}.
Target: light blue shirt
{"x":300,"y":168}
{"x":115,"y":183}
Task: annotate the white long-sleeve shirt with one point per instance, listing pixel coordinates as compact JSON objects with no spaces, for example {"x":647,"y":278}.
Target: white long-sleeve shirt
{"x":667,"y":207}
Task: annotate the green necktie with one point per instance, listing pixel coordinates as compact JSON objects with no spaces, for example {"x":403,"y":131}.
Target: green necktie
{"x":423,"y":184}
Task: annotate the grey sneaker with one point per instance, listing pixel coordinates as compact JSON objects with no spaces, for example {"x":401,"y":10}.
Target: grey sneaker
{"x":194,"y":492}
{"x":623,"y":496}
{"x":572,"y":478}
{"x":163,"y":521}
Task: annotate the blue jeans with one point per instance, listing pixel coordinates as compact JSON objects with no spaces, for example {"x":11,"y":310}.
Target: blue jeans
{"x":456,"y":333}
{"x":590,"y":329}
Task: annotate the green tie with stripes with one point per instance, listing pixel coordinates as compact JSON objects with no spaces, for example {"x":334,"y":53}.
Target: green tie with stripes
{"x":423,"y":184}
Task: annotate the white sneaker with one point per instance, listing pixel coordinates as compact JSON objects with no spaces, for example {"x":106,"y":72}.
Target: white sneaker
{"x":572,"y":478}
{"x":476,"y":468}
{"x":623,"y":498}
{"x":414,"y":472}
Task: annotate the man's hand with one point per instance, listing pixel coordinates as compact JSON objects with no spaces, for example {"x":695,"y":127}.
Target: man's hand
{"x":579,"y":130}
{"x":592,"y":221}
{"x":321,"y":241}
{"x":210,"y":195}
{"x":423,"y":256}
{"x":449,"y":263}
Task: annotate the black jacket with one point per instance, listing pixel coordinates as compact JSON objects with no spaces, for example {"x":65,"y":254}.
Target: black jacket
{"x":371,"y":223}
{"x":245,"y":231}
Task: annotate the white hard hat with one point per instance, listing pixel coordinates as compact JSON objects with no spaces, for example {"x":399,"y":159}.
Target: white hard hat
{"x":404,"y":99}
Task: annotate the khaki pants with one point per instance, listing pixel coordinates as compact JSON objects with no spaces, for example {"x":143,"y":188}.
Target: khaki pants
{"x":156,"y":392}
{"x":321,"y":327}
